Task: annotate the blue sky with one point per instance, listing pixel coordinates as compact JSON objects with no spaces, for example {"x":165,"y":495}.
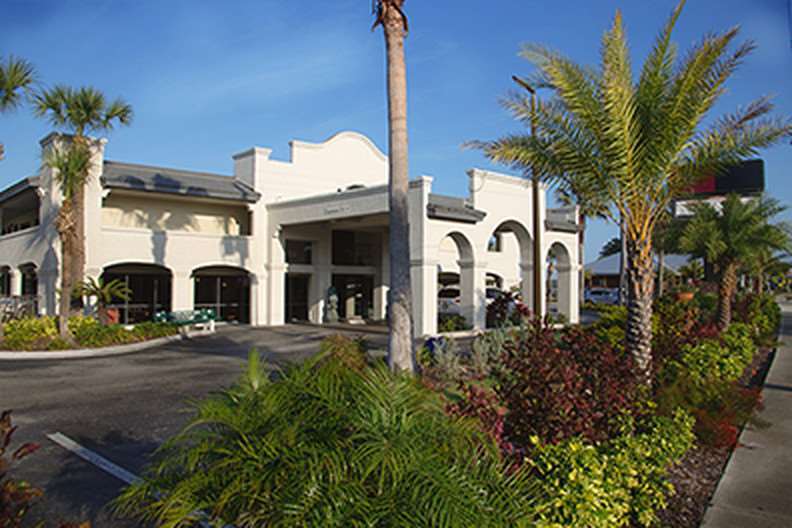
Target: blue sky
{"x":208,"y":79}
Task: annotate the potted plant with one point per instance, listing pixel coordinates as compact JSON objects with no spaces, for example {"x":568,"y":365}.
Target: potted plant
{"x":685,"y":292}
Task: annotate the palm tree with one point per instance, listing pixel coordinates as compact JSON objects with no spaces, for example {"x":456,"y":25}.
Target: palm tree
{"x":637,"y":144}
{"x":611,"y":247}
{"x":390,"y":15}
{"x":104,"y":293}
{"x":767,"y":265}
{"x":17,"y":76}
{"x":734,"y":237}
{"x":79,"y":111}
{"x":327,"y":444}
{"x":71,"y":165}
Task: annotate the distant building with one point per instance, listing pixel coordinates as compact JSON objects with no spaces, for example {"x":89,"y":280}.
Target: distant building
{"x":604,"y":272}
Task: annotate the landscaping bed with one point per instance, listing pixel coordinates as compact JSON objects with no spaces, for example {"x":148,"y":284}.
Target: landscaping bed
{"x":696,"y":476}
{"x":41,"y":334}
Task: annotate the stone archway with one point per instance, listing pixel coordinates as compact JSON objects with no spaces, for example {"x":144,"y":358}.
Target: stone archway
{"x":470,"y":302}
{"x":525,"y":256}
{"x":559,"y":287}
{"x":150,"y":287}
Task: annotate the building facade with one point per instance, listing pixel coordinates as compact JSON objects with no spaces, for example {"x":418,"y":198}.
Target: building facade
{"x":281,"y":240}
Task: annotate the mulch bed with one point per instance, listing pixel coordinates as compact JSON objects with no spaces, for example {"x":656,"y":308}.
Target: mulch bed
{"x":698,"y":473}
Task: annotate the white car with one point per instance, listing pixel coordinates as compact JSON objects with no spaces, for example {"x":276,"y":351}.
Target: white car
{"x":602,"y":295}
{"x":449,"y":299}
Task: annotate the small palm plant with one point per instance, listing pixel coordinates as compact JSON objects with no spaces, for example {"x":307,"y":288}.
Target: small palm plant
{"x":104,"y":293}
{"x":328,"y":444}
{"x":733,"y":237}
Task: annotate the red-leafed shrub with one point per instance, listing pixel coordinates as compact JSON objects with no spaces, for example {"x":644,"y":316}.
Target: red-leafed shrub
{"x":559,"y":384}
{"x":476,"y":401}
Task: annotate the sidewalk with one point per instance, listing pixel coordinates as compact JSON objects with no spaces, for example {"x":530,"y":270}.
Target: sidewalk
{"x":756,"y":488}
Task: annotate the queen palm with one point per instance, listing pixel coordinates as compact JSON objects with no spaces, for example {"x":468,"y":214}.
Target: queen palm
{"x":637,"y":144}
{"x":78,"y":111}
{"x":734,"y":237}
{"x":17,"y":76}
{"x":390,"y":15}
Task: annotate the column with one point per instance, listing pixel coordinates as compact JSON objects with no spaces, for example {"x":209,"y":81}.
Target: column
{"x":473,"y":282}
{"x":183,"y":296}
{"x":423,"y":277}
{"x":568,"y":289}
{"x":526,"y":285}
{"x":16,"y":282}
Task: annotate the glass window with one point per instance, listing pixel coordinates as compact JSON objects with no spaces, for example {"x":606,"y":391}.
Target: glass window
{"x":494,"y":245}
{"x":299,"y":252}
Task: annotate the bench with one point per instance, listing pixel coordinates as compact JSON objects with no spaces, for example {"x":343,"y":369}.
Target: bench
{"x":204,"y":318}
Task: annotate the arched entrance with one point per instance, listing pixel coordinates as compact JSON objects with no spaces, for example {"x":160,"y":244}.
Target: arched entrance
{"x":29,"y":278}
{"x":150,"y":287}
{"x":5,"y":281}
{"x":224,"y":289}
{"x":524,"y":252}
{"x":559,"y":282}
{"x":466,"y":298}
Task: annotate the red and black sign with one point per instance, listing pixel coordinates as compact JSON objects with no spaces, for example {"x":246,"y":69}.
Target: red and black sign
{"x":747,"y":178}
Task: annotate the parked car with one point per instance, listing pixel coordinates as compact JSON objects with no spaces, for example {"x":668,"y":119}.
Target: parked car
{"x":602,"y":295}
{"x":448,"y":301}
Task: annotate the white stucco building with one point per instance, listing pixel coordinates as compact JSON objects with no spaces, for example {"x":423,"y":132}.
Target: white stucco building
{"x":265,"y":245}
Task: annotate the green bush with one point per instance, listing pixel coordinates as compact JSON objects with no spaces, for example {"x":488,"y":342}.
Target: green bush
{"x":31,"y":333}
{"x":326,"y":445}
{"x":41,"y":333}
{"x":451,"y":323}
{"x":615,"y":483}
{"x":723,"y":359}
{"x":611,"y":324}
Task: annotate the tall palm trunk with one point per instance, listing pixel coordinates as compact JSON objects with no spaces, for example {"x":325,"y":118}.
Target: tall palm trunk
{"x":640,"y":282}
{"x":400,"y":339}
{"x":581,"y":247}
{"x":78,"y":243}
{"x":728,"y":285}
{"x":65,"y":226}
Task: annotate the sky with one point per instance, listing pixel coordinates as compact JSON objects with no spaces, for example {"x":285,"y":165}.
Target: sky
{"x":208,"y":79}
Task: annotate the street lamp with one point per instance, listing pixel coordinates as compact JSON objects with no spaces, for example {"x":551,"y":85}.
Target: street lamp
{"x":537,"y":228}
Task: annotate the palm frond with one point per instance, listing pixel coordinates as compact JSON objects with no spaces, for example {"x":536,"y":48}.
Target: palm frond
{"x":17,"y":77}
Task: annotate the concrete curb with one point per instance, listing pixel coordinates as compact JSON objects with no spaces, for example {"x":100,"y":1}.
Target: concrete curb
{"x":83,"y":353}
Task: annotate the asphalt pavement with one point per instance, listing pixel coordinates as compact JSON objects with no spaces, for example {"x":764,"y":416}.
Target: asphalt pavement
{"x":124,"y":407}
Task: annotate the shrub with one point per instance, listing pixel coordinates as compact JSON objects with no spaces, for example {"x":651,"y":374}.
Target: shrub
{"x":451,"y":323}
{"x":30,"y":333}
{"x":611,"y":325}
{"x":762,"y":313}
{"x":348,"y":352}
{"x":720,"y":360}
{"x":152,"y":330}
{"x":560,"y":384}
{"x":325,"y":445}
{"x":16,"y":497}
{"x":614,"y":483}
{"x":506,"y":310}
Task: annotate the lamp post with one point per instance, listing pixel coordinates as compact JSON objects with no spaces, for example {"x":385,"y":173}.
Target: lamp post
{"x":537,"y":228}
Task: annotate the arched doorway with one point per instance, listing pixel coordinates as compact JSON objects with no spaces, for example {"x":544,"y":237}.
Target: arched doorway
{"x":559,"y":282}
{"x":29,"y":278}
{"x":150,"y":290}
{"x":466,"y":297}
{"x":224,"y":289}
{"x":5,"y":281}
{"x":524,"y":254}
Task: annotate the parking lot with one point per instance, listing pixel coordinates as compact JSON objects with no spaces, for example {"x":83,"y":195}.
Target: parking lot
{"x":123,"y":407}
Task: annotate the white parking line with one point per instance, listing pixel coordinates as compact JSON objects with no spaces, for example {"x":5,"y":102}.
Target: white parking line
{"x":94,"y":458}
{"x":102,"y":463}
